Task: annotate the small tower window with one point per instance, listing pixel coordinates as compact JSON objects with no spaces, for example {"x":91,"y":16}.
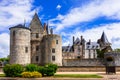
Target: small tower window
{"x":37,"y":58}
{"x":53,"y":50}
{"x":37,"y":35}
{"x":13,"y":33}
{"x":26,"y":49}
{"x":37,"y":48}
{"x":53,"y":58}
{"x":56,"y":41}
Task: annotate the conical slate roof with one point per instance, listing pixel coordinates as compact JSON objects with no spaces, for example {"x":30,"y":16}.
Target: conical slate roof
{"x":36,"y":23}
{"x":104,"y":38}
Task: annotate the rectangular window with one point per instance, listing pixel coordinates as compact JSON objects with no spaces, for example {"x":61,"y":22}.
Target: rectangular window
{"x":53,"y":50}
{"x":37,"y":48}
{"x":26,"y":49}
{"x":56,"y":41}
{"x":37,"y":35}
{"x":37,"y":58}
{"x":13,"y":33}
{"x":53,"y":58}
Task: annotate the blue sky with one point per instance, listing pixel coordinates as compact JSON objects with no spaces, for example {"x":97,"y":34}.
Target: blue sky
{"x":67,"y":17}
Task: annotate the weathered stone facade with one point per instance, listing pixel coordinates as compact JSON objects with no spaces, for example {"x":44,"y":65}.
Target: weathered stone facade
{"x":52,"y":49}
{"x":20,"y":48}
{"x":38,"y":45}
{"x":115,"y":58}
{"x":34,"y":44}
{"x":83,"y":62}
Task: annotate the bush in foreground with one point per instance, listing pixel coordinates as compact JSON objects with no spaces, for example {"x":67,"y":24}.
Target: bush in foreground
{"x":13,"y":70}
{"x":31,"y":67}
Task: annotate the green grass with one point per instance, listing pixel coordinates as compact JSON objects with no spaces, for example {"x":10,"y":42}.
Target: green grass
{"x":2,"y":75}
{"x":78,"y":75}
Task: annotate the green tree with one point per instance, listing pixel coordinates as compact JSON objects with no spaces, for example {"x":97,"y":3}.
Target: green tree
{"x":117,"y":49}
{"x":100,"y":53}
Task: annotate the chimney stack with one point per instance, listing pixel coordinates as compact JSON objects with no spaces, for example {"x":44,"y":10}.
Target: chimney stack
{"x":81,"y":37}
{"x":89,"y":41}
{"x":73,"y":40}
{"x":51,"y":31}
{"x":45,"y":26}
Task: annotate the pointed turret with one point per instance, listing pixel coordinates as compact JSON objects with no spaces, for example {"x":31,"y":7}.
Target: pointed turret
{"x":104,"y":43}
{"x":104,"y":38}
{"x":36,"y":24}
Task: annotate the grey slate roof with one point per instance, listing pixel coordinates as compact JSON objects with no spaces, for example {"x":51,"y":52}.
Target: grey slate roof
{"x":19,"y":26}
{"x":92,"y":45}
{"x":104,"y":38}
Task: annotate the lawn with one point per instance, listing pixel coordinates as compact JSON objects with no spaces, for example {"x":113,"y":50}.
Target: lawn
{"x":78,"y":75}
{"x":71,"y":75}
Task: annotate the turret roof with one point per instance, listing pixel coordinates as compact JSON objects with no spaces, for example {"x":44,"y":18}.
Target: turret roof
{"x":104,"y":38}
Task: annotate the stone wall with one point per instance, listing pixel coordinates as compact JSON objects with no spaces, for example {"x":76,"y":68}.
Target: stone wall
{"x":85,"y":69}
{"x":20,"y":48}
{"x":83,"y":62}
{"x":115,"y":56}
{"x":52,"y":49}
{"x":82,"y":69}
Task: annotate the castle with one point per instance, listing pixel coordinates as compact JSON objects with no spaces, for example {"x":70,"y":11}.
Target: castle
{"x":38,"y":45}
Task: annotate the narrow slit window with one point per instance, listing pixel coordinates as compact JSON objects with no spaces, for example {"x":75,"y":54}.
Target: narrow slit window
{"x":53,"y":58}
{"x":53,"y":50}
{"x":13,"y":33}
{"x":26,"y":49}
{"x":37,"y":58}
{"x":37,"y":48}
{"x":56,"y":41}
{"x":37,"y":35}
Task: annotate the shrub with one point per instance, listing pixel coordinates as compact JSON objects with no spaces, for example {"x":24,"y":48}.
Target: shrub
{"x":53,"y":66}
{"x":34,"y":74}
{"x":13,"y":70}
{"x":26,"y":75}
{"x":31,"y":67}
{"x":50,"y":69}
{"x":41,"y":70}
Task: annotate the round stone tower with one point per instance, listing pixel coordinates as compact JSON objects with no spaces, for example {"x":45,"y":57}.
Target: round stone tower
{"x":20,"y":48}
{"x":52,"y":49}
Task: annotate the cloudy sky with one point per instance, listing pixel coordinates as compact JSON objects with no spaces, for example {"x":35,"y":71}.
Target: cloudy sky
{"x":67,"y":17}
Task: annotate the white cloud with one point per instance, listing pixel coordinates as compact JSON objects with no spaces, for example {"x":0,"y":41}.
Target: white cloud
{"x":107,"y":8}
{"x":58,"y":7}
{"x":14,"y":12}
{"x":111,"y":30}
{"x":4,"y":45}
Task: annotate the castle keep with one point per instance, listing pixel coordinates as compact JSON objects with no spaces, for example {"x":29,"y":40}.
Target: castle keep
{"x":38,"y":44}
{"x":34,"y":44}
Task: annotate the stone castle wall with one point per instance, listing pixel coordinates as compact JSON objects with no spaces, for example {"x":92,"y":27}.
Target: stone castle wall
{"x":83,"y":62}
{"x":115,"y":56}
{"x":20,"y":48}
{"x":50,"y":42}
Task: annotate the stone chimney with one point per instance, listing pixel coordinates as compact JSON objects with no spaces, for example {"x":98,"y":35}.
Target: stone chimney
{"x":73,"y":40}
{"x":81,"y":37}
{"x":51,"y":31}
{"x":45,"y":26}
{"x":89,"y":41}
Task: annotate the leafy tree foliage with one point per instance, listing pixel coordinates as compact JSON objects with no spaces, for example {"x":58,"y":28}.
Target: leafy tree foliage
{"x":100,"y":53}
